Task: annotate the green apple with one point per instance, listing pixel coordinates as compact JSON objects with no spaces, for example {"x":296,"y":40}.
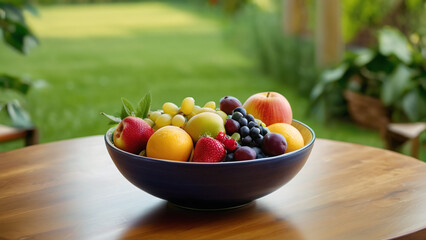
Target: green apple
{"x":204,"y":124}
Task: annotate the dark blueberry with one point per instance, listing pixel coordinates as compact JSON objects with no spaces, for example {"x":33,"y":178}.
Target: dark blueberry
{"x":246,"y":141}
{"x":255,"y":132}
{"x":244,"y":131}
{"x":264,"y":130}
{"x":260,"y":155}
{"x":237,"y":116}
{"x":229,"y":157}
{"x":250,"y":118}
{"x":243,"y":122}
{"x":241,"y":110}
{"x":257,"y":150}
{"x":252,"y":124}
{"x":259,"y":140}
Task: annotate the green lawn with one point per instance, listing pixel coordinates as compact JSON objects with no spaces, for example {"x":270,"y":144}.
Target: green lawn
{"x":92,"y":55}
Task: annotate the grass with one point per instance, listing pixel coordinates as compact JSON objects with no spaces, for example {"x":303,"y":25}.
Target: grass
{"x":92,"y":55}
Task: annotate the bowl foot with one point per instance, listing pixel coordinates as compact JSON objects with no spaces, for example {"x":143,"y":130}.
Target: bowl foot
{"x":211,"y":207}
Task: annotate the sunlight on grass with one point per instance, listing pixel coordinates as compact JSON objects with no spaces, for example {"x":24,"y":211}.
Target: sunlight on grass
{"x":76,"y":21}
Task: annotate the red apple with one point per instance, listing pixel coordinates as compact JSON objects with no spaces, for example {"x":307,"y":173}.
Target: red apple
{"x":269,"y":107}
{"x":132,"y":134}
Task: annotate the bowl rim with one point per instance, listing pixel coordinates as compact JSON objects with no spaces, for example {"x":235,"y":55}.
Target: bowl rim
{"x":109,"y":142}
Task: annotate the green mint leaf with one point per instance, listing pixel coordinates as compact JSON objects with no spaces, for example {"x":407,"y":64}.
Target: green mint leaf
{"x":123,"y":113}
{"x":143,"y":106}
{"x":112,"y":118}
{"x":128,"y":107}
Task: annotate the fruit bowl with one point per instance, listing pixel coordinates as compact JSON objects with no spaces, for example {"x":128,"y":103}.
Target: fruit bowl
{"x":211,"y":185}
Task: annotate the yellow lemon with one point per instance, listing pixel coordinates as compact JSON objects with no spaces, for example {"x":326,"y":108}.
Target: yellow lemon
{"x":293,"y":137}
{"x":171,"y":143}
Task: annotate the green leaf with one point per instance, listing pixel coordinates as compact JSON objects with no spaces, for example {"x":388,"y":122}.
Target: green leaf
{"x":14,"y":83}
{"x":393,"y":42}
{"x":15,"y":31}
{"x":143,"y":106}
{"x":123,"y":113}
{"x":396,"y":84}
{"x":112,"y":118}
{"x":19,"y":117}
{"x":335,"y":74}
{"x":128,"y":107}
{"x":317,"y":91}
{"x":31,"y":9}
{"x":414,"y":106}
{"x":364,"y":56}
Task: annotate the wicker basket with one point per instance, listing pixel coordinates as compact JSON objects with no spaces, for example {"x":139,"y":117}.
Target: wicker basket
{"x":367,"y":111}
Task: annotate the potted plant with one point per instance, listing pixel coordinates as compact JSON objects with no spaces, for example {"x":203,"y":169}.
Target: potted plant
{"x":383,"y":84}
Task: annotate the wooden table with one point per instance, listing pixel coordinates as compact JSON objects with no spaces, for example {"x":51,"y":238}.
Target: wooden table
{"x":71,"y":190}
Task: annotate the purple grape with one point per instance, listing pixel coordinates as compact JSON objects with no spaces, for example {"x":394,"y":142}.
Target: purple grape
{"x":228,"y":104}
{"x":274,"y":144}
{"x":231,"y":126}
{"x":244,"y":153}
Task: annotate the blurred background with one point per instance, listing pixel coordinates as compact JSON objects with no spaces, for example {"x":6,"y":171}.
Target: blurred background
{"x":353,"y":70}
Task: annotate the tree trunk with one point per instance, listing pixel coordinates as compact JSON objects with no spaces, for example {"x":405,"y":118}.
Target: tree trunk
{"x":329,"y":43}
{"x":295,"y":17}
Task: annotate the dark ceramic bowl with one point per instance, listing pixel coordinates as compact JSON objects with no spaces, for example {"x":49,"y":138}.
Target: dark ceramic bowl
{"x":211,"y":185}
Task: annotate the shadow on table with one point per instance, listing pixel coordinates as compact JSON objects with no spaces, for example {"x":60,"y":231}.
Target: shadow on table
{"x":251,"y":221}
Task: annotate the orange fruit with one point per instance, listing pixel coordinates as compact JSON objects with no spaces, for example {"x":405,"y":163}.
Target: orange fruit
{"x":171,"y":143}
{"x":293,"y":137}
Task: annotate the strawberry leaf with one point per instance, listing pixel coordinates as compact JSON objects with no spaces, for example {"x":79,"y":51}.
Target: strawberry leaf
{"x":128,"y":107}
{"x":143,"y":106}
{"x":112,"y":118}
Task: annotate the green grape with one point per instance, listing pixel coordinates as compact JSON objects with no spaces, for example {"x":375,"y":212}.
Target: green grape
{"x":154,"y":115}
{"x":211,"y":105}
{"x":163,"y":120}
{"x":236,"y":136}
{"x":222,"y":114}
{"x":196,"y":110}
{"x":207,"y":109}
{"x":149,"y":121}
{"x":170,"y":108}
{"x":187,"y":105}
{"x":178,"y":120}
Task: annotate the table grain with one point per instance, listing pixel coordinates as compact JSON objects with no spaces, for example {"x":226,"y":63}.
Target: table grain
{"x":71,"y":190}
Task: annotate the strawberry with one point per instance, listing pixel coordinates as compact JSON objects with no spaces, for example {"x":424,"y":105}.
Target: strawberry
{"x":208,"y":149}
{"x":221,"y":136}
{"x":230,"y":144}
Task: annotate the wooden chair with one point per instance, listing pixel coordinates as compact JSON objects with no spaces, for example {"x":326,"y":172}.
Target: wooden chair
{"x":371,"y":113}
{"x":30,"y":135}
{"x":399,"y":133}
